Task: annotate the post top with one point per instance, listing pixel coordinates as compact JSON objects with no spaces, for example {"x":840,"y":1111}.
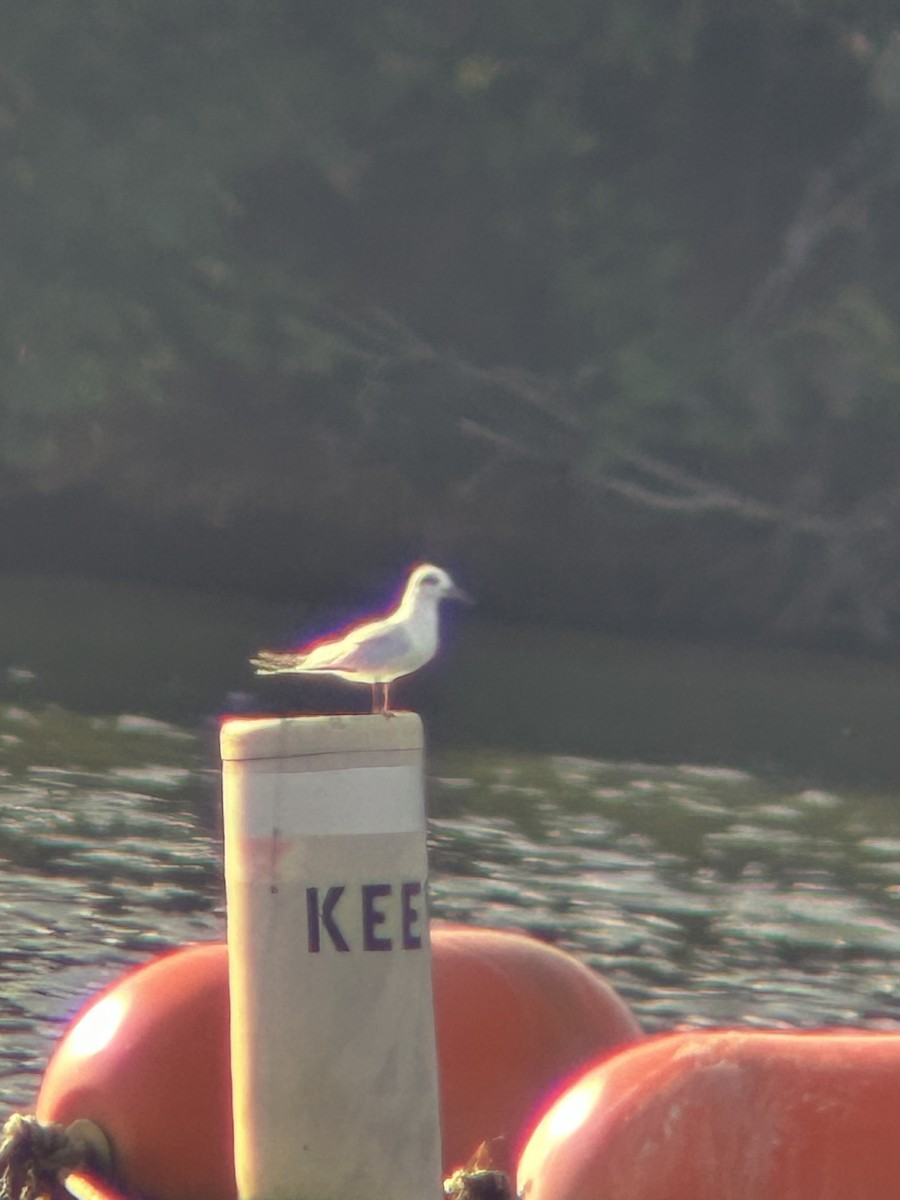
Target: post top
{"x":298,"y":737}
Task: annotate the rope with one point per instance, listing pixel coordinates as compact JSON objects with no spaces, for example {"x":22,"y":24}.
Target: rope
{"x":32,"y":1155}
{"x":478,"y":1179}
{"x":478,"y":1185}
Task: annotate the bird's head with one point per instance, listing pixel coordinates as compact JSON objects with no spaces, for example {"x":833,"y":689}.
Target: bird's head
{"x":432,"y":584}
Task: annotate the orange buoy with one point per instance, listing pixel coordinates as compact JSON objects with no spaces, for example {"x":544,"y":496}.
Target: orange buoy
{"x":149,"y":1060}
{"x":743,"y":1115}
{"x":514,"y":1018}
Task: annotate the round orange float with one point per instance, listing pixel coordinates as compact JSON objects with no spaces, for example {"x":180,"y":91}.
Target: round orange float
{"x":149,"y":1061}
{"x":514,"y":1017}
{"x":742,"y":1115}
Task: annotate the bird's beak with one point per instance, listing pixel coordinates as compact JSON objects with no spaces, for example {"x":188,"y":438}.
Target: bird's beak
{"x":456,"y":593}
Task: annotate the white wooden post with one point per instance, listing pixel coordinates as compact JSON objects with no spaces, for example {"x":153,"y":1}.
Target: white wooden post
{"x":332,"y":1021}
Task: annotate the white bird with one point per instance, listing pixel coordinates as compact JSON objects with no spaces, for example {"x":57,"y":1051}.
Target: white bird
{"x":376,"y":652}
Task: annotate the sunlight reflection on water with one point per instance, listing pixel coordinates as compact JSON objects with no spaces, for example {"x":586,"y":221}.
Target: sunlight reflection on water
{"x":706,"y":896}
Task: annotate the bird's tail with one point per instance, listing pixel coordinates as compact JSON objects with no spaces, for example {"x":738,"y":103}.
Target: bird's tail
{"x":274,"y":662}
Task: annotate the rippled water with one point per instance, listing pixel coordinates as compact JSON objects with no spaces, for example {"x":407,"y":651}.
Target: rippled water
{"x":705,"y":896}
{"x":101,"y":865}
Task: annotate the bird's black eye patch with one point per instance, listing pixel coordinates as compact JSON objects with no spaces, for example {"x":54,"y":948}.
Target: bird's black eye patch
{"x":429,"y":580}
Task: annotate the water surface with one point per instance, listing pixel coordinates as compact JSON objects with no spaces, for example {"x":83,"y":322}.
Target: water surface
{"x":705,"y":895}
{"x":717,"y":832}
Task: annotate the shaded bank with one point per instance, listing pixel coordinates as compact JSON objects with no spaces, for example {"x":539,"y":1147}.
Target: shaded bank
{"x":97,"y":646}
{"x":532,"y":549}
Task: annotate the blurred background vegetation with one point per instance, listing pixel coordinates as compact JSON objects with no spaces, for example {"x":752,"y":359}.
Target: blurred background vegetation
{"x":596,"y":304}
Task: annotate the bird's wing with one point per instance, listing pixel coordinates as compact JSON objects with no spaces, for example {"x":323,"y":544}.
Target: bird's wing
{"x":365,"y":652}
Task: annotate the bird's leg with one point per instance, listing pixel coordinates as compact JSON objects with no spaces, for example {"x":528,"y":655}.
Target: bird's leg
{"x":385,"y":707}
{"x":374,"y":697}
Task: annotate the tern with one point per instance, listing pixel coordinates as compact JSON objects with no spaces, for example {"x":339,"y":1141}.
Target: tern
{"x":380,"y":651}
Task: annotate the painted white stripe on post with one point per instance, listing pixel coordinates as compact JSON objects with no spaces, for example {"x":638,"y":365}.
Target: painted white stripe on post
{"x":349,"y":800}
{"x":332,"y":1022}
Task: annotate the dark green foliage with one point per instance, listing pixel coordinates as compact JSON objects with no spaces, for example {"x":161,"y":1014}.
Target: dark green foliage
{"x":626,"y":268}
